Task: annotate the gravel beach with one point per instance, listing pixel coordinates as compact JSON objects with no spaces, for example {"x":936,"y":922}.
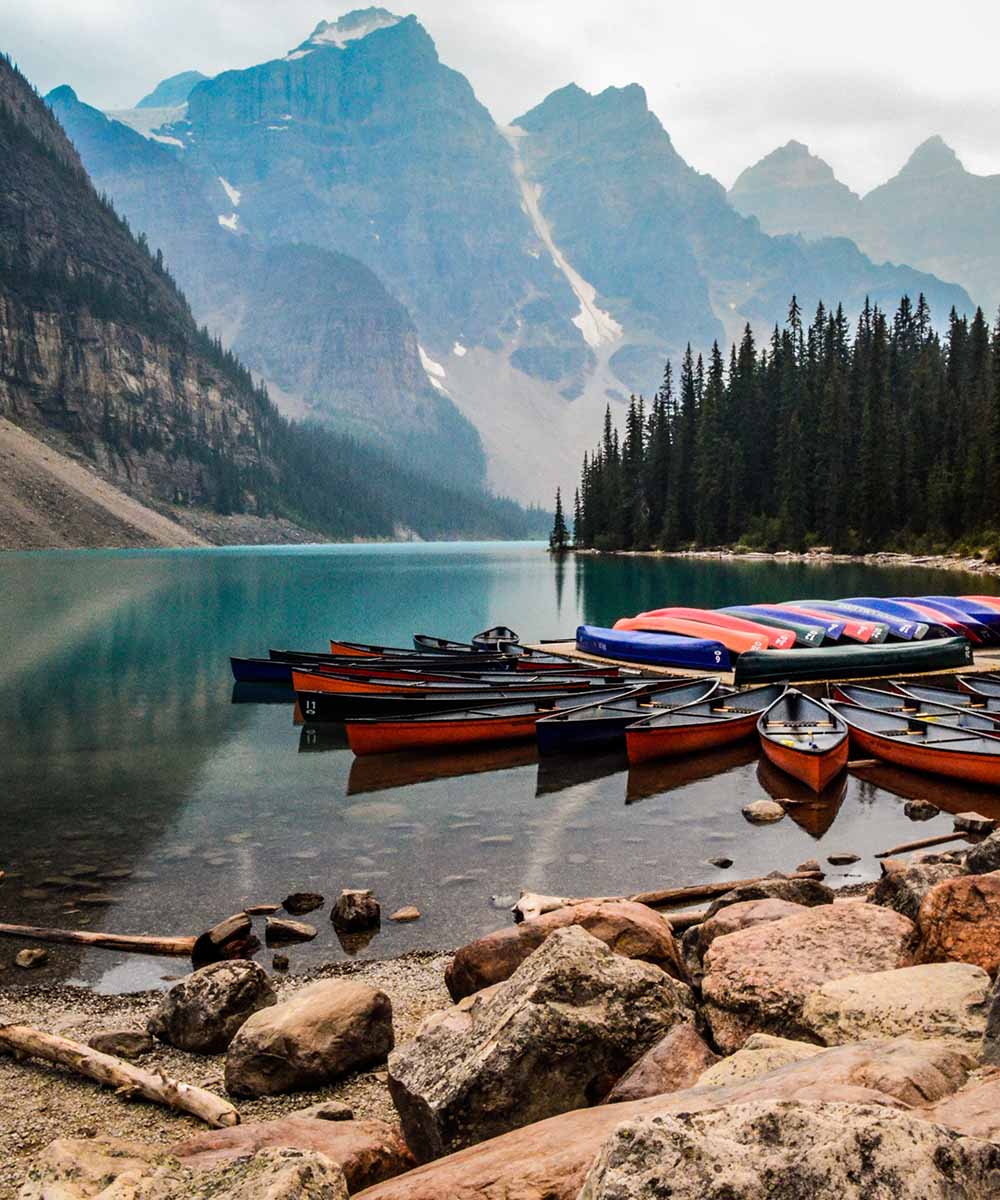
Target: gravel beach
{"x":43,"y":1102}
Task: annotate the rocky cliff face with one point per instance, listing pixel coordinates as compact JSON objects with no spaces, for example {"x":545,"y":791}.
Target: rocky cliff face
{"x":933,"y":214}
{"x":99,"y":355}
{"x":317,"y":326}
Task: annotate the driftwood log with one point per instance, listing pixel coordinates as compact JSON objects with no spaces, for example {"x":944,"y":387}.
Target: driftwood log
{"x":232,"y":938}
{"x":128,"y":1080}
{"x":533,"y":904}
{"x":923,"y":843}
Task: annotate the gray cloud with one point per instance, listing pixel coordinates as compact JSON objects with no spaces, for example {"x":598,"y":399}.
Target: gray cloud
{"x":861,"y":83}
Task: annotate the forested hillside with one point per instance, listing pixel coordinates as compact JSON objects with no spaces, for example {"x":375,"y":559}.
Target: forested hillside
{"x":887,"y":438}
{"x":100,"y":355}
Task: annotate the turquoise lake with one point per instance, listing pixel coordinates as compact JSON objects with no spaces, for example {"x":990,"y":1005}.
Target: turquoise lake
{"x":127,"y":772}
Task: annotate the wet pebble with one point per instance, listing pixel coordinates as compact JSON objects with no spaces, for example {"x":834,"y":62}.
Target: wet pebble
{"x":842,"y":860}
{"x":721,"y":862}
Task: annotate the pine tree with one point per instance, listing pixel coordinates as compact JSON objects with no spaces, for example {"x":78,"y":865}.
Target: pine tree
{"x":559,"y":537}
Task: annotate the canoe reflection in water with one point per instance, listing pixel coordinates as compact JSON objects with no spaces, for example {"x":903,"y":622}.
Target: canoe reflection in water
{"x":377,"y":772}
{"x":556,"y":772}
{"x":812,"y":811}
{"x":262,"y":693}
{"x":657,"y":776}
{"x":317,"y":739}
{"x":950,"y":795}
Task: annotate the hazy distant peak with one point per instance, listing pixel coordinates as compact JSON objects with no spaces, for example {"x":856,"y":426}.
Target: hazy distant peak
{"x":63,"y":94}
{"x":572,"y":100}
{"x":351,"y":27}
{"x":932,"y":157}
{"x":791,"y":165}
{"x":170,"y":92}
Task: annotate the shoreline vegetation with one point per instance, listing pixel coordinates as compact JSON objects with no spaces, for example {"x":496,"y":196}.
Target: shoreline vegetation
{"x":889,"y":436}
{"x":971,"y":564}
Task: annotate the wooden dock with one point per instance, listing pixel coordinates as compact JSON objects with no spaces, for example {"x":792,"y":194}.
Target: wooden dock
{"x":988,"y":660}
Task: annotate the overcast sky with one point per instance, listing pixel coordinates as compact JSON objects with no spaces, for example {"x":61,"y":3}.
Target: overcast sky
{"x":862,"y":82}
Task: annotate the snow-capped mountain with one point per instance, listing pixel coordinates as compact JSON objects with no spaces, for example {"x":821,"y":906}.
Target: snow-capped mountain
{"x":548,"y":267}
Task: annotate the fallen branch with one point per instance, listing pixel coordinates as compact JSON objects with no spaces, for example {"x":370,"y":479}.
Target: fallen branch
{"x":709,"y":891}
{"x":179,"y":947}
{"x":232,"y":938}
{"x":533,"y":904}
{"x":923,"y":843}
{"x":679,"y":922}
{"x":128,"y":1080}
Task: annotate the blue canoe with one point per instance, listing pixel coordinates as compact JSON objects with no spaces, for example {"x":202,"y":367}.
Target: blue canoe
{"x":990,"y":617}
{"x":261,"y":670}
{"x":907,"y":628}
{"x":984,"y":630}
{"x":661,"y":649}
{"x":905,"y":607}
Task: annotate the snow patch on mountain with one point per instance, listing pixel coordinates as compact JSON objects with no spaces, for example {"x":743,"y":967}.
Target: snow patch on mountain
{"x":433,"y":369}
{"x":596,"y":325}
{"x":459,"y":349}
{"x":234,"y":194}
{"x":230,"y":222}
{"x":349,"y":28}
{"x":148,"y":121}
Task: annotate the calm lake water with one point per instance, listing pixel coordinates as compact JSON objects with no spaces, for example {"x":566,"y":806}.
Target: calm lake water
{"x":127,"y":770}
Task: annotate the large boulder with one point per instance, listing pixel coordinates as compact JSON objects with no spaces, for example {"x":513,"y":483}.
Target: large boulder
{"x":674,"y":1063}
{"x":555,"y":1036}
{"x":367,"y":1151}
{"x":761,"y":1054}
{"x":203,"y":1012}
{"x":731,"y":919}
{"x":321,"y":1033}
{"x":631,"y":930}
{"x":774,"y":1149}
{"x":939,"y":1000}
{"x":959,"y":921}
{"x":111,"y":1169}
{"x":807,"y":892}
{"x":551,"y":1158}
{"x":757,"y":980}
{"x":985,"y":857}
{"x":904,"y":888}
{"x":974,"y":1109}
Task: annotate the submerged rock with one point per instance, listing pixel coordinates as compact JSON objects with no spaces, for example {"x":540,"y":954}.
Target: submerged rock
{"x":299,"y":903}
{"x":763,"y":812}
{"x":356,"y":910}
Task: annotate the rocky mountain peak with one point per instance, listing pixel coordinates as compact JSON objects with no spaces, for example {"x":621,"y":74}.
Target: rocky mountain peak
{"x":172,"y":91}
{"x":932,"y":157}
{"x":351,"y":27}
{"x":791,"y":165}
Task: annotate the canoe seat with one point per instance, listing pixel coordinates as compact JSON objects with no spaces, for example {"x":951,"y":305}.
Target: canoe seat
{"x":792,"y":725}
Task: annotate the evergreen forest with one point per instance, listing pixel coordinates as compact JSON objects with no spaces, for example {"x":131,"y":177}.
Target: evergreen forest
{"x":884,"y":437}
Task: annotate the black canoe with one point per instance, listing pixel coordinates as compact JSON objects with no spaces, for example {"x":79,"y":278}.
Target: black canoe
{"x":320,"y":707}
{"x":279,"y":669}
{"x":597,"y":726}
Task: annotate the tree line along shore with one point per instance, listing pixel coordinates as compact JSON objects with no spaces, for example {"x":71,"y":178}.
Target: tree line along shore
{"x":887,"y":439}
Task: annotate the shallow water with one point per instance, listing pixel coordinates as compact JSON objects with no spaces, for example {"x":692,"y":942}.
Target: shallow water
{"x":128,"y":773}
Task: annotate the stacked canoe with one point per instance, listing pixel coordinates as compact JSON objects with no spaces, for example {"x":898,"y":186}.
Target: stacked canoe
{"x":811,"y":639}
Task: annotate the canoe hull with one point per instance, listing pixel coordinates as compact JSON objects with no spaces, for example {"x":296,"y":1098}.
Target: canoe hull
{"x":661,"y":649}
{"x":854,"y":661}
{"x":385,"y":737}
{"x":816,"y":771}
{"x":973,"y":768}
{"x":644,"y":745}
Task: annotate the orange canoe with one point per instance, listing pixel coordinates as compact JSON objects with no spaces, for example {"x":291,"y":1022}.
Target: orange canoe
{"x":923,"y":745}
{"x":733,"y":639}
{"x":804,"y":738}
{"x":701,"y":726}
{"x":777,"y":639}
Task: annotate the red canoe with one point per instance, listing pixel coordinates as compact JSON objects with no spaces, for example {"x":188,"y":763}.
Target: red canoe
{"x":701,"y":726}
{"x":804,"y":738}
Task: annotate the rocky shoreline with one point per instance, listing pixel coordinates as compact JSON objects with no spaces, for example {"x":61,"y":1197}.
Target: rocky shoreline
{"x":791,"y":1041}
{"x":820,"y":557}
